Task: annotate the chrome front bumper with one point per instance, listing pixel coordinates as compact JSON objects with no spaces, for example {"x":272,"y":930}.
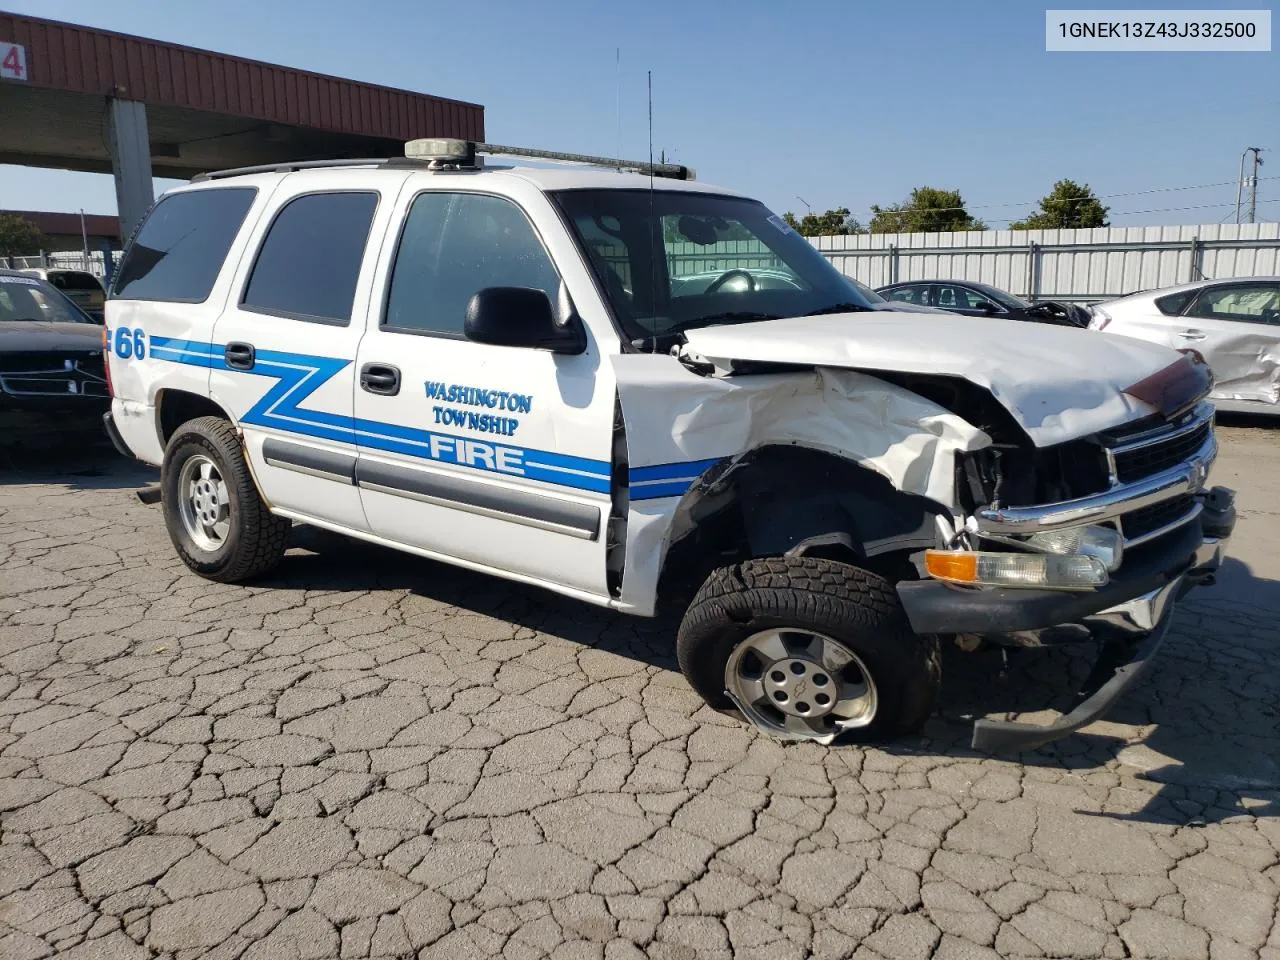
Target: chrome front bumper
{"x":1131,"y":632}
{"x":1186,"y":478}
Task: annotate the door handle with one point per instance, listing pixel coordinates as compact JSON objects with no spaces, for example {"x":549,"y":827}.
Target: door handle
{"x":1191,"y":334}
{"x":239,"y":356}
{"x":380,"y":378}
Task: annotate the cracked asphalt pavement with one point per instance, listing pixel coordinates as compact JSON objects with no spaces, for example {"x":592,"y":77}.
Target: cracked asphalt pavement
{"x":372,"y":755}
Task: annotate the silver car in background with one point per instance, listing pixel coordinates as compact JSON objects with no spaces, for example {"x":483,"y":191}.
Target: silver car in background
{"x":1234,"y":324}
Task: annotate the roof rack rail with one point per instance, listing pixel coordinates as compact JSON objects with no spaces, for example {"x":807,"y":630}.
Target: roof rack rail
{"x":449,"y":152}
{"x":291,"y":166}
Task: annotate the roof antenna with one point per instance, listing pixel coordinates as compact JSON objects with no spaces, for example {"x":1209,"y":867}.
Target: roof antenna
{"x":653,"y":231}
{"x":617,"y":98}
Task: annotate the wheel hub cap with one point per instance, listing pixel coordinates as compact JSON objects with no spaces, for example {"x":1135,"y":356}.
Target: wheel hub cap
{"x":800,"y":688}
{"x":796,"y":684}
{"x":203,"y":503}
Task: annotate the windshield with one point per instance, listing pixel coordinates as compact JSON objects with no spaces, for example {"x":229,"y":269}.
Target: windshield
{"x":26,"y":298}
{"x":995,"y":294}
{"x":867,"y":293}
{"x":669,"y":261}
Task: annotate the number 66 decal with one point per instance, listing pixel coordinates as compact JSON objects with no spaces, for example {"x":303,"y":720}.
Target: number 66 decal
{"x":130,"y":343}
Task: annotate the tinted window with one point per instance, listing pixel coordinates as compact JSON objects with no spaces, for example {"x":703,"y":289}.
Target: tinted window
{"x":1172,"y":304}
{"x":950,"y":297}
{"x":454,"y":245}
{"x":917,"y":293}
{"x":308,"y":264}
{"x":1249,"y":302}
{"x":180,"y":249}
{"x":74,"y":280}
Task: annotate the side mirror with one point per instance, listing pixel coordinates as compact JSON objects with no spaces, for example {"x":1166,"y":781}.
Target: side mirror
{"x":523,"y":317}
{"x":987,"y":307}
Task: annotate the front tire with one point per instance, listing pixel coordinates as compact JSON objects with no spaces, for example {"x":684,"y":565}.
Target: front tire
{"x":809,"y":649}
{"x":219,"y":524}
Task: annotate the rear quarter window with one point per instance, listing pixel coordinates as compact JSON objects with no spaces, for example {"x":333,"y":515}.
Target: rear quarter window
{"x":181,"y":247}
{"x":1174,"y":303}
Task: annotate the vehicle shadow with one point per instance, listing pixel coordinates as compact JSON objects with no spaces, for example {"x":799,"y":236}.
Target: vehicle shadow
{"x":81,"y":461}
{"x":1204,"y":722}
{"x":320,"y":560}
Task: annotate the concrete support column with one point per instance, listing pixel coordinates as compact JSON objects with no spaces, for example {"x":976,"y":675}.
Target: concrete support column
{"x":130,"y":162}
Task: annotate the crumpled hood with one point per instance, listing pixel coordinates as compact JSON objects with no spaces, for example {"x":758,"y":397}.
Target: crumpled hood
{"x":1060,"y":383}
{"x":37,"y":336}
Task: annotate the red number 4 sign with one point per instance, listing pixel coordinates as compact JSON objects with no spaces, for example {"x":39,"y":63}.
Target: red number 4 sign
{"x":13,"y":62}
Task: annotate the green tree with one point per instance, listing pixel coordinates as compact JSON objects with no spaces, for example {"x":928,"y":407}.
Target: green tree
{"x":19,"y":237}
{"x":927,"y":210}
{"x":1068,"y":205}
{"x":833,"y":223}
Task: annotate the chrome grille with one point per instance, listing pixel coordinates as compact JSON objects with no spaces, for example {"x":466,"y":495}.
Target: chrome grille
{"x":1149,"y":522}
{"x":53,"y":374}
{"x":1155,"y":451}
{"x":1138,"y":462}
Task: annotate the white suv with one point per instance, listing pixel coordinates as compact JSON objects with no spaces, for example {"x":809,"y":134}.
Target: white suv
{"x":499,"y":367}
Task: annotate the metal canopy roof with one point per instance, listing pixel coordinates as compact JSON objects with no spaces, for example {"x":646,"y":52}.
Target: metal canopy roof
{"x":205,"y":110}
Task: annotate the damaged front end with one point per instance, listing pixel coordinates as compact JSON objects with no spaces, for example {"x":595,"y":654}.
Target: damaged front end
{"x":1130,"y":531}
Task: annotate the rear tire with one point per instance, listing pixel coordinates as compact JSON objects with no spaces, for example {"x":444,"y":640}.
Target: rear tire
{"x":798,"y":597}
{"x":219,"y":524}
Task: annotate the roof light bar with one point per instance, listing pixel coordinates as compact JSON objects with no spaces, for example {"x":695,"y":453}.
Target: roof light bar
{"x":446,"y":151}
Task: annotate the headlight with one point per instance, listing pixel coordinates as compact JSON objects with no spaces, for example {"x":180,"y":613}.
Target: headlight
{"x":1101,"y":543}
{"x":1064,"y":571}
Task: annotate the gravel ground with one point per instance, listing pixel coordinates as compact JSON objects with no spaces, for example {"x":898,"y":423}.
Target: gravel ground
{"x":372,"y":755}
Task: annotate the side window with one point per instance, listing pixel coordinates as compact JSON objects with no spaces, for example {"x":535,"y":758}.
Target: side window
{"x":967,"y":298}
{"x":950,"y":298}
{"x":916,"y":293}
{"x":178,"y":252}
{"x":1246,"y":302}
{"x":453,"y":246}
{"x":309,"y":262}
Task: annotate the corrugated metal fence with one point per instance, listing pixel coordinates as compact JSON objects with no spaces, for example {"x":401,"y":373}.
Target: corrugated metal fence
{"x":1076,"y":265}
{"x":65,"y":260}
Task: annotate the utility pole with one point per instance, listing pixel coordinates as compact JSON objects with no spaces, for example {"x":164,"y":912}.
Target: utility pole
{"x":805,"y":202}
{"x":1253,"y":183}
{"x":84,"y":236}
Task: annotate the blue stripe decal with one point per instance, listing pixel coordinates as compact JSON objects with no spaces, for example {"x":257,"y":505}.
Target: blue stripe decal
{"x":299,"y":375}
{"x":657,"y":491}
{"x":671,"y":471}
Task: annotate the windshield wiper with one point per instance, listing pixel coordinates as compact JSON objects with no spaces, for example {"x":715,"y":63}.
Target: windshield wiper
{"x":713,"y":318}
{"x":839,"y":308}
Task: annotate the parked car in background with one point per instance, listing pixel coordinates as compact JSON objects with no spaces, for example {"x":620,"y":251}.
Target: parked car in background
{"x":982,"y":300}
{"x":52,"y":378}
{"x":1233,"y":324}
{"x":81,"y":287}
{"x":751,"y":279}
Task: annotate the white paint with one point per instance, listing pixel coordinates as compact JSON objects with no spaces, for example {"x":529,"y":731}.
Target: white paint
{"x":1059,"y":383}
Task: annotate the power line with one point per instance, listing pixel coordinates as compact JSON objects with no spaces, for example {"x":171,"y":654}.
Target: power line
{"x":1106,"y":196}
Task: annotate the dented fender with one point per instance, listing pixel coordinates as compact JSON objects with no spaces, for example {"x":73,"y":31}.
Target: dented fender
{"x":681,"y":424}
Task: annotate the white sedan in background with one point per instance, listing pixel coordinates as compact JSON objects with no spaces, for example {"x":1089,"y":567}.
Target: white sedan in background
{"x":1233,"y":324}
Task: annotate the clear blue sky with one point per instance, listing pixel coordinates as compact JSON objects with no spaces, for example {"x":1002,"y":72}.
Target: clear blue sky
{"x":844,"y":103}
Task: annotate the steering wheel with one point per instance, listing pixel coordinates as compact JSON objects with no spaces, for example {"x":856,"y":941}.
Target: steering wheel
{"x":728,"y":275}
